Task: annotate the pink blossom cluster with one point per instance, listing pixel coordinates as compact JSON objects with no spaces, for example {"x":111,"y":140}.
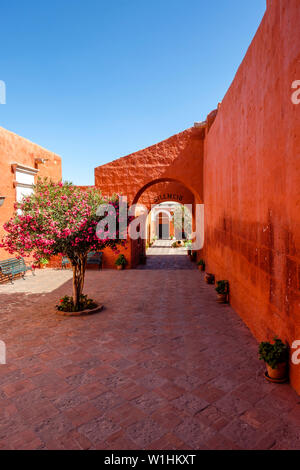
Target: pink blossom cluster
{"x":59,"y":218}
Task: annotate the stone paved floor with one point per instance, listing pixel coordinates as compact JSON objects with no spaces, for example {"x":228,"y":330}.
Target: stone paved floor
{"x":164,"y":247}
{"x":44,"y":280}
{"x":162,"y":367}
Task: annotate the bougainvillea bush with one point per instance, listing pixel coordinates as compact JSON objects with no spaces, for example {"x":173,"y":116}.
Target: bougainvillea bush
{"x":61,"y":219}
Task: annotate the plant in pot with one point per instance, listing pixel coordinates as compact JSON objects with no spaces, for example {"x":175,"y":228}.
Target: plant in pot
{"x":121,"y":262}
{"x":143,"y":258}
{"x":222,"y":290}
{"x":209,"y":278}
{"x":43,"y":263}
{"x":201,"y":265}
{"x":275,"y":355}
{"x":188,"y":245}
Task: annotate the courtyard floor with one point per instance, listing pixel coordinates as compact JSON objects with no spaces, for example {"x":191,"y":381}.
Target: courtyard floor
{"x":162,"y":367}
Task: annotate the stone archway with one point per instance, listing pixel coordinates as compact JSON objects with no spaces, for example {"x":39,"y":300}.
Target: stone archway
{"x":173,"y":167}
{"x":178,"y":159}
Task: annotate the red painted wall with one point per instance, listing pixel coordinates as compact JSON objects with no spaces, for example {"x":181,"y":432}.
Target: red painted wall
{"x":252,"y":182}
{"x":246,"y":168}
{"x":178,"y":158}
{"x":14,"y":148}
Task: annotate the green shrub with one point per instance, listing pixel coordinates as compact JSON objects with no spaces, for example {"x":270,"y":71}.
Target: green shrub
{"x":273,"y":354}
{"x":121,"y":261}
{"x":67,"y":304}
{"x":222,"y":287}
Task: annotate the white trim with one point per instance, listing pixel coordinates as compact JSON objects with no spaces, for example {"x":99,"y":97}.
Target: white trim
{"x":24,"y":169}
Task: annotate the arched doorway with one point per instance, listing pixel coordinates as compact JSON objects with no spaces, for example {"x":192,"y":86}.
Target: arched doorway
{"x":167,"y":202}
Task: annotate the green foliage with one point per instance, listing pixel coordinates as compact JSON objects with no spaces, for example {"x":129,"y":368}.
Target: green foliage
{"x":222,"y":287}
{"x":43,"y":261}
{"x":67,"y":304}
{"x":182,"y":219}
{"x":201,"y":262}
{"x":273,"y":354}
{"x":121,"y":261}
{"x":174,"y":245}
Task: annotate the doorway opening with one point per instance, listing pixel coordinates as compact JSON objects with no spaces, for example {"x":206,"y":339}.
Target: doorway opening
{"x":169,"y":225}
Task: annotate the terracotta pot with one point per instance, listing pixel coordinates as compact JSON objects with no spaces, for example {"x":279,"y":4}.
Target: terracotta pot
{"x":279,"y":373}
{"x":120,"y":267}
{"x":209,"y":278}
{"x":222,"y":298}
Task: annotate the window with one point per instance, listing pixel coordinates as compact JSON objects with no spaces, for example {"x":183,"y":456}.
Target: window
{"x":24,"y":180}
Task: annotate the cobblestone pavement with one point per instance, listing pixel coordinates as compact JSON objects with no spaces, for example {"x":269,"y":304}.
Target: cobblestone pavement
{"x":44,"y":280}
{"x":164,"y":247}
{"x":162,"y":367}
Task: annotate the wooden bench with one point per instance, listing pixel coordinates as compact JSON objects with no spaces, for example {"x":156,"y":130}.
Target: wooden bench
{"x":13,"y":266}
{"x":95,"y":258}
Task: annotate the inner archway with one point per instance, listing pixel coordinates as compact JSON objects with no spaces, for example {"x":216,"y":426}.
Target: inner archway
{"x":169,"y":205}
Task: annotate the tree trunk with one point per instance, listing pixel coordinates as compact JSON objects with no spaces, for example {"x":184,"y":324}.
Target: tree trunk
{"x":79,"y":267}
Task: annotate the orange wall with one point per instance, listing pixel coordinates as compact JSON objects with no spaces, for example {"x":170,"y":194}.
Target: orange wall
{"x":167,"y":191}
{"x":16,"y":149}
{"x":252,"y":182}
{"x":167,"y":160}
{"x":246,"y":169}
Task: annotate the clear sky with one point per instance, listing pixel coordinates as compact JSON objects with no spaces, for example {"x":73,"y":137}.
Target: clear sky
{"x":94,"y":80}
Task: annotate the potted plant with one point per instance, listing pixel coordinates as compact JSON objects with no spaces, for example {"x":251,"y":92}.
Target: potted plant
{"x":143,"y":258}
{"x":275,"y":355}
{"x":222,"y":290}
{"x":121,"y":262}
{"x":188,"y":245}
{"x":209,"y":278}
{"x":201,"y":265}
{"x":43,"y":263}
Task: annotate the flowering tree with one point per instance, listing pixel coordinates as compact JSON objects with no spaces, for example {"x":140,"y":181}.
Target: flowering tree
{"x":59,"y":218}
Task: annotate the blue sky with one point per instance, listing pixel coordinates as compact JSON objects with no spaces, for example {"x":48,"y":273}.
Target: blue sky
{"x":95,"y":80}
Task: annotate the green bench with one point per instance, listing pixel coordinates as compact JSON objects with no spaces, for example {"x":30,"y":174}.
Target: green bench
{"x":93,"y":258}
{"x":64,"y":262}
{"x":13,"y":266}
